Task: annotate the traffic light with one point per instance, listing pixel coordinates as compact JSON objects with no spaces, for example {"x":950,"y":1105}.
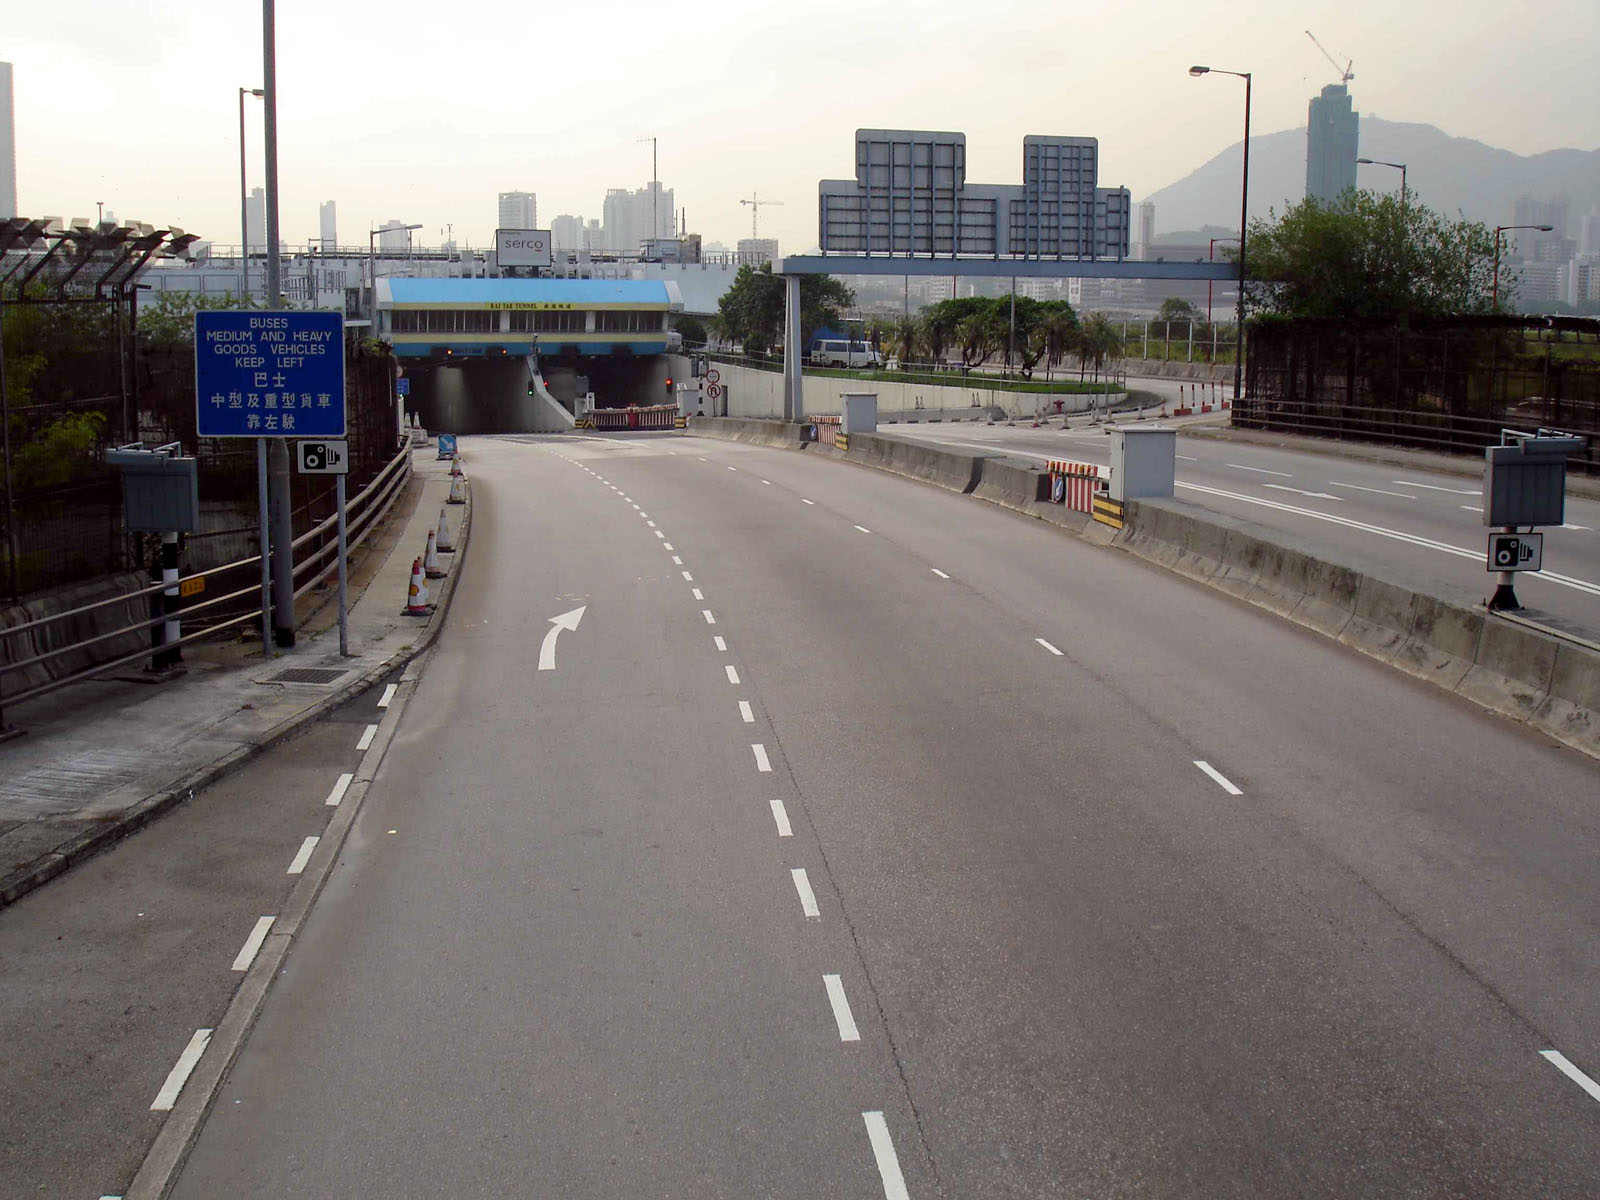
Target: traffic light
{"x":669,"y":385}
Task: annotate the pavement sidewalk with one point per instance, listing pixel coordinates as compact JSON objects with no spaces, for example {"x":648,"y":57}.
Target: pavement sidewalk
{"x":102,"y":758}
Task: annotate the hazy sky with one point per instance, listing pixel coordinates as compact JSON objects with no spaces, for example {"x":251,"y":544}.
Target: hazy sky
{"x":424,"y":111}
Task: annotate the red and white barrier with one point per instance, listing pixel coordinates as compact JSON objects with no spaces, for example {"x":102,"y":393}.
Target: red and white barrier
{"x":1075,"y":482}
{"x":827,"y":429}
{"x":655,"y":416}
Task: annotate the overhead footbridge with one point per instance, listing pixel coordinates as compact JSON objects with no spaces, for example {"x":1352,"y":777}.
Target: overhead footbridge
{"x":518,"y":355}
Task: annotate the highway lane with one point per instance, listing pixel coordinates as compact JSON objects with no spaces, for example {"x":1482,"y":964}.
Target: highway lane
{"x":1130,"y":888}
{"x":1344,"y":506}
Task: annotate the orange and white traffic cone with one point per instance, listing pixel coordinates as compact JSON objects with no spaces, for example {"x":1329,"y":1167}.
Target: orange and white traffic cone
{"x":430,"y":560}
{"x":458,"y":490}
{"x":442,"y":539}
{"x":455,"y":465}
{"x":417,"y":597}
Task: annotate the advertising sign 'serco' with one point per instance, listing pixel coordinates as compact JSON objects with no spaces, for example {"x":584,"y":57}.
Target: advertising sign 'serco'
{"x":522,"y":247}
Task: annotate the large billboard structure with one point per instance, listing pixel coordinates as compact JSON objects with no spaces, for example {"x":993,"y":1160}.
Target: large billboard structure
{"x":910,"y":196}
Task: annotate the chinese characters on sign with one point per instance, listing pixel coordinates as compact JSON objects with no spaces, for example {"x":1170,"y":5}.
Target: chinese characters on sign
{"x":269,"y":374}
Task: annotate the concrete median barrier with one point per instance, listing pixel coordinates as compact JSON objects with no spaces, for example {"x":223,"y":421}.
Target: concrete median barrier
{"x":933,"y":464}
{"x":1012,"y":485}
{"x":752,"y":430}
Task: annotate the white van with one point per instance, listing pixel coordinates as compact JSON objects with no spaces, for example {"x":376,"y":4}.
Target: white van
{"x":840,"y":353}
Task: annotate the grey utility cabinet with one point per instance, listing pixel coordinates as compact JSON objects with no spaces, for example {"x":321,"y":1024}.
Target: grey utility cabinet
{"x":160,"y":489}
{"x":1525,"y":483}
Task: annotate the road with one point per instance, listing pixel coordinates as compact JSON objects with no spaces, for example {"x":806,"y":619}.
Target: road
{"x":862,"y":839}
{"x":1416,"y":525}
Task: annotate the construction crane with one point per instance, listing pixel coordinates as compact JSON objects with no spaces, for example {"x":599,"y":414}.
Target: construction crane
{"x":756,"y":205}
{"x":1345,"y":73}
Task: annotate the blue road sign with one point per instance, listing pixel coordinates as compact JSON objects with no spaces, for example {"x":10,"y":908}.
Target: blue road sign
{"x":402,"y":386}
{"x":269,"y":374}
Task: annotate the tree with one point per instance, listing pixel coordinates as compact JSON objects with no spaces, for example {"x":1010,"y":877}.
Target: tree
{"x":1056,"y":334}
{"x":903,"y":339}
{"x":1368,"y":255}
{"x":692,"y":328}
{"x":1175,"y":309}
{"x":1097,"y":342}
{"x":751,"y":310}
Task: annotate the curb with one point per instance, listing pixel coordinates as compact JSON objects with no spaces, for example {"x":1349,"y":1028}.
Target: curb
{"x":92,"y":842}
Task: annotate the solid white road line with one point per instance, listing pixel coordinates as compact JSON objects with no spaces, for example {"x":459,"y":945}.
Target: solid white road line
{"x":303,"y":855}
{"x":763,"y":763}
{"x":1047,"y":646}
{"x":721,"y":645}
{"x":1559,"y":1061}
{"x":252,"y":944}
{"x":366,"y":738}
{"x":1570,"y":525}
{"x":1186,"y":457}
{"x":698,"y":594}
{"x":746,"y":713}
{"x":894,"y":1183}
{"x":706,"y":613}
{"x":1218,"y":777}
{"x":841,"y":1009}
{"x":1432,"y":488}
{"x":803,"y":500}
{"x":781,"y":817}
{"x":688,"y":578}
{"x":1380,"y":491}
{"x":179,"y":1075}
{"x":808,"y":898}
{"x":1259,"y":470}
{"x":733,"y":675}
{"x":339,"y":789}
{"x":939,"y":573}
{"x":388,"y":695}
{"x":1279,"y":487}
{"x":1413,"y":539}
{"x":863,"y":529}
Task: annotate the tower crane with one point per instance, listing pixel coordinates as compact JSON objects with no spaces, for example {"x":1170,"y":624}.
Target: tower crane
{"x":756,"y":205}
{"x":1345,"y":73}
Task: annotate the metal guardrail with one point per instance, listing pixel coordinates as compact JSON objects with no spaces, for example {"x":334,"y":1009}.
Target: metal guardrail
{"x":363,"y":512}
{"x":984,"y":377}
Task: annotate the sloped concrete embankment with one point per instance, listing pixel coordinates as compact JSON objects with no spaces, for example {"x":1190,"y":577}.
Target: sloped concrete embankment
{"x":1547,"y":682}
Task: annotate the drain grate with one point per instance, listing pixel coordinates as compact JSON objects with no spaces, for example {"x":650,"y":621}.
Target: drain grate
{"x":307,"y":675}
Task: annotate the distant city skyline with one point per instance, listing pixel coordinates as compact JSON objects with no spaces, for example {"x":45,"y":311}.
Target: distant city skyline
{"x":1526,"y":86}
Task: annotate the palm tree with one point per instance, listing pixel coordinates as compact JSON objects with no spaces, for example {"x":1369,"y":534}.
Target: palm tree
{"x":1058,"y":331}
{"x":903,"y":339}
{"x":1097,"y":342}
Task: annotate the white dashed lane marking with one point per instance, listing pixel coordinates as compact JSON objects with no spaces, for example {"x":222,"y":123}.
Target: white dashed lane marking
{"x":1560,"y":1062}
{"x":721,"y":645}
{"x":763,"y":763}
{"x":808,"y":898}
{"x":780,"y":817}
{"x":939,"y":573}
{"x":1048,"y":646}
{"x":1218,"y":778}
{"x":388,"y":695}
{"x":841,"y":1009}
{"x":179,"y":1075}
{"x":252,"y":944}
{"x":863,"y":529}
{"x":303,"y":855}
{"x":366,"y":738}
{"x":733,"y":674}
{"x":706,"y":613}
{"x":746,"y":713}
{"x":339,"y":789}
{"x":894,"y":1183}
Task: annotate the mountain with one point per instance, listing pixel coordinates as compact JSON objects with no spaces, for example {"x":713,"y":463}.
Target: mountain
{"x":1445,"y":173}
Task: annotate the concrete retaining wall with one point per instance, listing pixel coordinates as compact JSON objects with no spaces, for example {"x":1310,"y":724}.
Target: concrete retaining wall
{"x":76,"y":629}
{"x":1523,"y":673}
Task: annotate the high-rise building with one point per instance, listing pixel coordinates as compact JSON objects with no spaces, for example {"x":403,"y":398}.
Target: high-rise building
{"x":1144,"y":229}
{"x":628,"y":217}
{"x":1333,"y":129}
{"x":255,"y":221}
{"x":566,"y":233}
{"x":8,"y":146}
{"x":1535,"y":245}
{"x":1589,"y":233}
{"x":329,"y":224}
{"x":756,"y":251}
{"x":393,"y":236}
{"x":518,"y":210}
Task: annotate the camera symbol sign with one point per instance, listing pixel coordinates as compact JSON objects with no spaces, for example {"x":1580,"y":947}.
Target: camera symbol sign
{"x":1515,"y":551}
{"x":324,"y":458}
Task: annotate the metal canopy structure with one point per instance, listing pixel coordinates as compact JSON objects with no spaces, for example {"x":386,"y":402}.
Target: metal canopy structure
{"x":43,"y":262}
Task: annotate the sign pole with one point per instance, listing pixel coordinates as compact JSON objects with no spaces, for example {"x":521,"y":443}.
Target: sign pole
{"x":344,"y":573}
{"x":266,"y":557}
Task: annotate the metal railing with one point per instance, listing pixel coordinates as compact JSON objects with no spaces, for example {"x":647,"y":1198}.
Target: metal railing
{"x":363,"y":512}
{"x":985,"y":376}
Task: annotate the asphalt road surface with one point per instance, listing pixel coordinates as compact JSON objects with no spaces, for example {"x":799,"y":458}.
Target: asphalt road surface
{"x":860,"y":839}
{"x":1419,"y":526}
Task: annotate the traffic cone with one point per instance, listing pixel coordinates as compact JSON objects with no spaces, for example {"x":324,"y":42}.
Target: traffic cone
{"x":442,"y":538}
{"x":417,"y":597}
{"x":458,"y":491}
{"x":455,"y":464}
{"x":430,"y":560}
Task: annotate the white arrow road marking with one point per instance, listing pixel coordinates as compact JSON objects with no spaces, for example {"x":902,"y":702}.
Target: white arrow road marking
{"x":1300,"y":491}
{"x":547,"y":648}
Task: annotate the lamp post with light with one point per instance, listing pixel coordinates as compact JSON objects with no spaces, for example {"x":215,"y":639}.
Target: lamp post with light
{"x":1401,"y":167}
{"x":1244,"y":216}
{"x":1498,"y":230}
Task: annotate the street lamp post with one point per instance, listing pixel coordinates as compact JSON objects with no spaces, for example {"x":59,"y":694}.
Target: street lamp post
{"x":1401,"y":167}
{"x":1211,"y":256}
{"x":1498,"y":230}
{"x":244,"y":205}
{"x":372,"y":269}
{"x":1244,"y":217}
